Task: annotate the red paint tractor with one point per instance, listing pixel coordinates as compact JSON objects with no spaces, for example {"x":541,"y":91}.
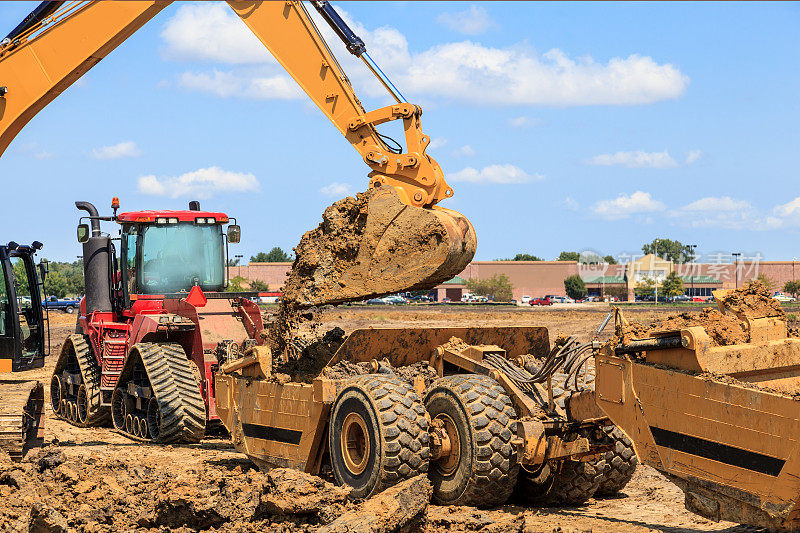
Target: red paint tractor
{"x":154,"y":324}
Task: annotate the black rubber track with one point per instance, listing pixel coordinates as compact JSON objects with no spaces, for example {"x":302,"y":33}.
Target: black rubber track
{"x":174,"y":380}
{"x":97,"y":414}
{"x":620,"y":463}
{"x":492,"y":426}
{"x":403,"y":426}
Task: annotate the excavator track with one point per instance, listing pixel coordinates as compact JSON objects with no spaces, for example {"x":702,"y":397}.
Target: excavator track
{"x":76,"y":396}
{"x":165,"y":405}
{"x":21,"y":417}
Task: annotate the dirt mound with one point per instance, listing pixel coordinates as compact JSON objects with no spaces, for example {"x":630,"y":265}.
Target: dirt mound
{"x":753,"y":301}
{"x":346,"y":369}
{"x":723,"y":329}
{"x":748,"y":302}
{"x":374,"y":244}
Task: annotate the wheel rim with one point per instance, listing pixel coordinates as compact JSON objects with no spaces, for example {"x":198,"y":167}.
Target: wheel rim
{"x":83,"y":405}
{"x":143,"y":431}
{"x":449,"y":463}
{"x":129,"y":423}
{"x":154,"y":417}
{"x":354,"y":443}
{"x":56,"y":394}
{"x":136,"y":430}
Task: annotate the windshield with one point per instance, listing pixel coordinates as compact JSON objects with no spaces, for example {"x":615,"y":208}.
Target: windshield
{"x":176,"y":257}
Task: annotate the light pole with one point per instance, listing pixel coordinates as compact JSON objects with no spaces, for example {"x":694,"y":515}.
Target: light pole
{"x":692,"y":248}
{"x":736,"y":266}
{"x":239,"y":263}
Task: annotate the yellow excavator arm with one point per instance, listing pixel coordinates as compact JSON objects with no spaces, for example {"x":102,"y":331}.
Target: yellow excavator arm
{"x":60,"y":41}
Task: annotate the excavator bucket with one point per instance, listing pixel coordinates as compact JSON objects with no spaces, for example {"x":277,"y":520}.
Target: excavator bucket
{"x":21,"y":417}
{"x":373,"y":245}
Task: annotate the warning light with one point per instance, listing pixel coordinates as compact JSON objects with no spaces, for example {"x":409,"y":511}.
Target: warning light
{"x":115,"y":203}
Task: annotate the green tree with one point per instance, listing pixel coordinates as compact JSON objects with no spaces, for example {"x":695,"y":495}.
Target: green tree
{"x":792,"y":287}
{"x":646,"y":287}
{"x":233,"y":262}
{"x":527,"y":257}
{"x":610,"y":260}
{"x":669,"y":250}
{"x":569,"y":256}
{"x":619,"y":292}
{"x":64,"y":279}
{"x":276,"y":255}
{"x":768,"y":282}
{"x":575,"y":287}
{"x":260,"y":286}
{"x":672,"y":285}
{"x":499,"y":287}
{"x":235,"y":284}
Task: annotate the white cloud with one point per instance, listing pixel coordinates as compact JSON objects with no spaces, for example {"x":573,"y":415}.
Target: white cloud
{"x":718,"y":212}
{"x":437,"y":142}
{"x":693,"y":156}
{"x":241,"y":85}
{"x":500,"y":174}
{"x":472,"y":21}
{"x":518,"y":122}
{"x":624,"y":206}
{"x":44,"y":154}
{"x":336,"y":189}
{"x":117,"y":151}
{"x":457,"y":71}
{"x":211,"y":32}
{"x":571,"y":204}
{"x":714,"y":203}
{"x":636,"y":159}
{"x":464,"y":151}
{"x":201,"y":183}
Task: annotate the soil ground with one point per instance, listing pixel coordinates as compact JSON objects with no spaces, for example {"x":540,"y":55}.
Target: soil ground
{"x":649,"y":502}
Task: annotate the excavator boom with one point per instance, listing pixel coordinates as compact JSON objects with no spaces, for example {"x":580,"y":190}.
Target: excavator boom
{"x":60,"y":41}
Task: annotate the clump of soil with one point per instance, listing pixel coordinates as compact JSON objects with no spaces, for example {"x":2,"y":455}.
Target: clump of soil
{"x":748,"y":302}
{"x":98,"y":493}
{"x":346,"y":369}
{"x":309,"y":352}
{"x":373,"y":244}
{"x":724,"y":330}
{"x":753,"y":301}
{"x":370,"y":245}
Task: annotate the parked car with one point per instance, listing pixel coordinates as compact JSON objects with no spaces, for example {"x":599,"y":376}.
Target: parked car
{"x":542,"y":301}
{"x":378,"y":301}
{"x":421,"y":298}
{"x":782,"y":297}
{"x":525,"y":300}
{"x":680,"y":298}
{"x":68,"y":305}
{"x":395,"y":299}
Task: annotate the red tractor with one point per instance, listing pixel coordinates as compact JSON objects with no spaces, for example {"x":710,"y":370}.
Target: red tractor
{"x":153,"y":325}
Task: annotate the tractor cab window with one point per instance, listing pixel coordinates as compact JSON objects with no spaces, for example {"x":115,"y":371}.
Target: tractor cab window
{"x":26,"y":314}
{"x":176,"y":257}
{"x":5,"y":306}
{"x":128,"y":266}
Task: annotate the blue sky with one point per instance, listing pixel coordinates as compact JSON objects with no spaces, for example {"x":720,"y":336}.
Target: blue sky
{"x":560,"y":126}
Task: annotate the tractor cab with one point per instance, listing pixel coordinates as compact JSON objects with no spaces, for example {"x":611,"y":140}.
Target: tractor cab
{"x":24,"y":334}
{"x":169,"y":252}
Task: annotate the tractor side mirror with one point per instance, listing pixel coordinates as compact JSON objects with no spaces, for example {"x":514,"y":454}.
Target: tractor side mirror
{"x":83,"y":233}
{"x":234,"y":233}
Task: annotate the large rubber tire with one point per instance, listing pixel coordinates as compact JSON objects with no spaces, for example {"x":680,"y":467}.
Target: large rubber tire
{"x":620,"y":463}
{"x":486,"y":469}
{"x":378,"y":434}
{"x":575,"y":482}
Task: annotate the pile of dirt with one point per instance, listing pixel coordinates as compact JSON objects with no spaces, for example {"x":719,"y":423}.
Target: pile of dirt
{"x":371,"y":245}
{"x":748,"y":302}
{"x":408,"y":373}
{"x":723,"y":329}
{"x":309,"y":352}
{"x":53,"y":493}
{"x":753,"y":300}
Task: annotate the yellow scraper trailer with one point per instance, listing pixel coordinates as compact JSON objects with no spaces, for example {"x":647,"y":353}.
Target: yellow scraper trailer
{"x":720,"y":421}
{"x":472,"y":430}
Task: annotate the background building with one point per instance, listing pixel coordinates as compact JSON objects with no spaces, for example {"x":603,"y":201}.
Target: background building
{"x":540,"y":278}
